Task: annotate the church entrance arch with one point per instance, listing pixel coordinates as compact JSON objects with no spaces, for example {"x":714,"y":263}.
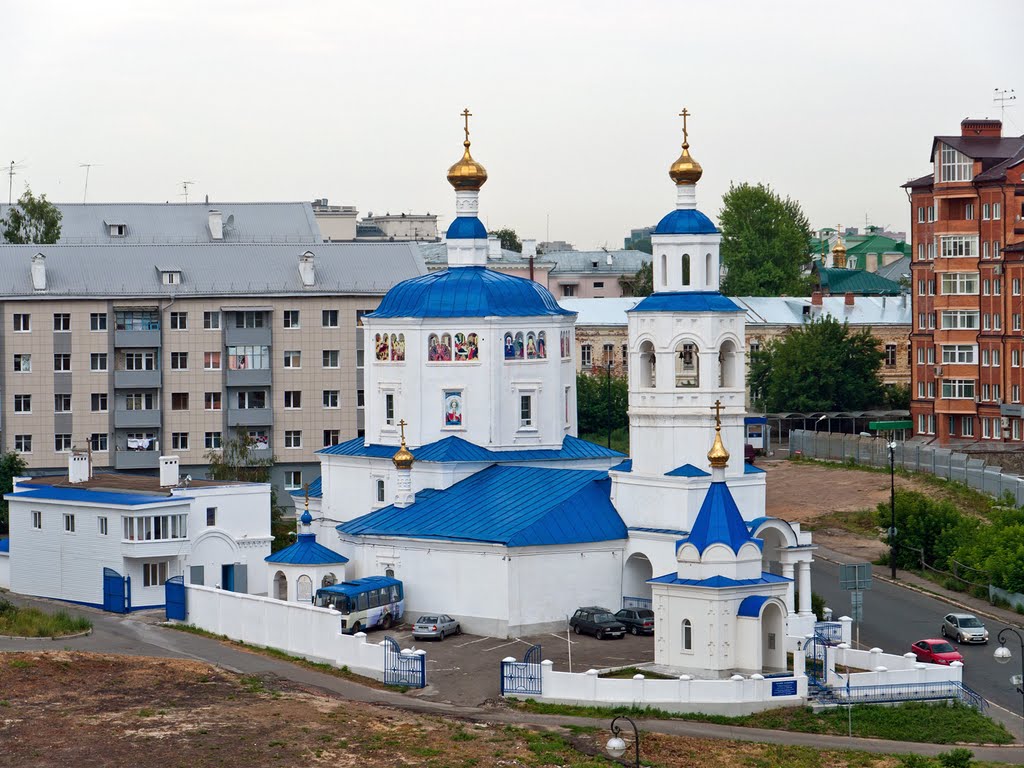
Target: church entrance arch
{"x":636,"y":592}
{"x":280,"y":586}
{"x":773,"y":635}
{"x":771,"y":552}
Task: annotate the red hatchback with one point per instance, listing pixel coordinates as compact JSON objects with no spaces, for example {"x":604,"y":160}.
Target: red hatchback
{"x":936,"y":652}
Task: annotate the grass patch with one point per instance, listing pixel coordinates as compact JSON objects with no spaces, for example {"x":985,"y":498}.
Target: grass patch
{"x":620,"y":439}
{"x":32,"y":622}
{"x":861,"y":522}
{"x":627,"y":673}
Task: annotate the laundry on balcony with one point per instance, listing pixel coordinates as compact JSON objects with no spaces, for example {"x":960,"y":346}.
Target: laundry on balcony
{"x":140,"y":443}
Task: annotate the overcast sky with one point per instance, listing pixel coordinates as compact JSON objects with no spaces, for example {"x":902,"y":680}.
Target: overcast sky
{"x":575,"y":103}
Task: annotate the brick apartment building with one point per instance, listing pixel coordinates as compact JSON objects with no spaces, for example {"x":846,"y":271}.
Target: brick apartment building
{"x":967,"y":270}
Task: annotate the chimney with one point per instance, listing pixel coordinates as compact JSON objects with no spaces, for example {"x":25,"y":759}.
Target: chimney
{"x":306,"y":270}
{"x":969,"y":127}
{"x":39,"y":272}
{"x":216,"y":224}
{"x":529,"y":249}
{"x":871,"y":262}
{"x":78,"y":467}
{"x":608,"y":259}
{"x":816,"y":299}
{"x":848,"y":300}
{"x":493,"y":247}
{"x":168,"y":471}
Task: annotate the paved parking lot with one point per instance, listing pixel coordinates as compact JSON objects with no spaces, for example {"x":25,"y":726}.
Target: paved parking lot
{"x":464,"y":669}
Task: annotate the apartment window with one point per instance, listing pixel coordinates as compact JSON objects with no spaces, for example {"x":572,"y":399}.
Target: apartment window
{"x":969,"y":211}
{"x":921,"y":424}
{"x":179,"y":401}
{"x":248,"y":357}
{"x":986,"y":211}
{"x":179,"y":321}
{"x":959,"y":319}
{"x":331,"y":357}
{"x":23,"y":403}
{"x":98,"y":361}
{"x":1015,"y":286}
{"x":1015,"y":358}
{"x":921,"y":320}
{"x":958,"y":353}
{"x":389,"y":409}
{"x":139,"y":361}
{"x":984,"y":358}
{"x":958,"y":389}
{"x":293,"y":399}
{"x":62,"y":403}
{"x":23,"y":363}
{"x":967,"y":426}
{"x":98,"y":402}
{"x":984,"y":250}
{"x":997,"y":429}
{"x":568,"y":291}
{"x":931,"y":251}
{"x":292,"y":358}
{"x":22,"y":323}
{"x":62,"y":321}
{"x":1016,"y":429}
{"x":997,"y":393}
{"x":211,"y":516}
{"x":890,"y":355}
{"x":99,"y":441}
{"x":955,"y":166}
{"x":920,"y":389}
{"x":586,"y":355}
{"x":62,"y":442}
{"x":995,"y":358}
{"x":23,"y":443}
{"x":97,"y":321}
{"x":248,"y":319}
{"x":62,"y":362}
{"x":211,"y":361}
{"x":997,"y":210}
{"x":331,"y":398}
{"x":292,"y":479}
{"x":293,"y":438}
{"x":154,"y":574}
{"x":609,"y":353}
{"x":252,"y":399}
{"x":290,"y":318}
{"x":139,"y":401}
{"x":986,"y":392}
{"x":211,"y":401}
{"x":329,"y":318}
{"x":179,"y":361}
{"x":1015,"y":393}
{"x":931,"y":213}
{"x":69,"y":523}
{"x":360,"y":358}
{"x":985,"y":429}
{"x":211,"y":321}
{"x":136,"y":320}
{"x":212,"y":440}
{"x":102,"y":525}
{"x":931,"y":287}
{"x":997,"y":321}
{"x":920,"y":287}
{"x":525,"y":411}
{"x":920,"y":251}
{"x":955,"y":246}
{"x":959,"y":283}
{"x":170,"y":277}
{"x":37,"y":520}
{"x":995,"y":249}
{"x":332,"y":437}
{"x":920,"y":355}
{"x":997,"y":287}
{"x":360,"y":398}
{"x":179,"y":441}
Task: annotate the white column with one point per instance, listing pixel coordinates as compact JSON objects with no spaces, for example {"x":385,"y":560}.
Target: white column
{"x":804,"y":567}
{"x":787,"y":571}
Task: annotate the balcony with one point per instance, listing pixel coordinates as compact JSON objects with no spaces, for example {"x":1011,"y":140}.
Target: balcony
{"x":136,"y":459}
{"x":250,"y":417}
{"x":137,"y":339}
{"x":124,"y":418}
{"x":248,"y":377}
{"x":137,"y":379}
{"x":162,"y":548}
{"x":258,"y":337}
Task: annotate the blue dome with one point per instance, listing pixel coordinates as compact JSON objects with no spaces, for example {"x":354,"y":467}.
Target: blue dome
{"x":685,"y":221}
{"x":468,"y":292}
{"x":466,"y":228}
{"x":306,"y":518}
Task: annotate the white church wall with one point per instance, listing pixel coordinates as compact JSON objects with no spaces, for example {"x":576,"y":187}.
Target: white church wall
{"x":241,"y":510}
{"x":748,"y":643}
{"x":5,"y":570}
{"x":659,"y":549}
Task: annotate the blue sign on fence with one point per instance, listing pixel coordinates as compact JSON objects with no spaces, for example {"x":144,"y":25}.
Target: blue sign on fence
{"x":784,"y":688}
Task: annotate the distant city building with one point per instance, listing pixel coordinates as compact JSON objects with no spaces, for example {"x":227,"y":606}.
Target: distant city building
{"x":554,"y":245}
{"x":638,"y":237}
{"x":339,"y":223}
{"x":842,"y":279}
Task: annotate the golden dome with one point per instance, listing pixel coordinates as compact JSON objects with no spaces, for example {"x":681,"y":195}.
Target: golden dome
{"x":685,"y":170}
{"x":403,"y":457}
{"x":718,"y":456}
{"x":839,"y":253}
{"x":467,"y":174}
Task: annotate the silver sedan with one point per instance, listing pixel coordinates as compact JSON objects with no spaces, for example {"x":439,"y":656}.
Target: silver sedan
{"x":435,"y":626}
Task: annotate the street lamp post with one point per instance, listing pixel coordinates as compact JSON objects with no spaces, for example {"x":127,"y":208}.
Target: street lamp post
{"x":608,"y":399}
{"x":616,"y":746}
{"x":1003,"y":656}
{"x":892,"y":506}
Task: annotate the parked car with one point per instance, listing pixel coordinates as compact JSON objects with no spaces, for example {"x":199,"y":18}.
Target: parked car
{"x":598,"y":622}
{"x":435,"y":626}
{"x":639,"y":621}
{"x":964,"y":628}
{"x":936,"y":652}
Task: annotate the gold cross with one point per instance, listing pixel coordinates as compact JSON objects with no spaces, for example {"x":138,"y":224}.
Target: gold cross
{"x":401,"y":425}
{"x":684,"y":114}
{"x":306,"y":486}
{"x":717,"y":408}
{"x":467,"y":114}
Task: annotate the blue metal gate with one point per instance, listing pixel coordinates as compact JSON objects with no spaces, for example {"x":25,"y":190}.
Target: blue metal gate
{"x":117,"y":591}
{"x":817,"y":662}
{"x":174,"y":598}
{"x":522,"y":677}
{"x":408,"y":669}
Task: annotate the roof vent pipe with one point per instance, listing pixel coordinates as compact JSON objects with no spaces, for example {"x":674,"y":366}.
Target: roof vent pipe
{"x":306,"y":270}
{"x":39,"y":272}
{"x":216,"y":224}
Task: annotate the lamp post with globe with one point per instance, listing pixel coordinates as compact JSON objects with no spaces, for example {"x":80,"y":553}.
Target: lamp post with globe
{"x":1003,"y":656}
{"x":617,"y":746}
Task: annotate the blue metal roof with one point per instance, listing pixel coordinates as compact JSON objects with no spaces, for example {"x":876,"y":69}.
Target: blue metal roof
{"x":468,"y":292}
{"x":667,"y":531}
{"x":514,"y":506}
{"x":718,"y":582}
{"x":685,"y":221}
{"x":5,"y":545}
{"x":624,"y":466}
{"x":454,"y":448}
{"x":755,"y":419}
{"x":56,"y":493}
{"x":751,"y":606}
{"x":305,"y":551}
{"x":719,"y":521}
{"x":685,"y":301}
{"x":750,"y":469}
{"x":466,"y":228}
{"x":687,"y":470}
{"x":316,"y":489}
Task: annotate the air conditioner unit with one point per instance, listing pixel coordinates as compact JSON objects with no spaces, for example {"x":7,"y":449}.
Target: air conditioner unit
{"x":997,"y":269}
{"x":938,"y":370}
{"x":1005,"y":422}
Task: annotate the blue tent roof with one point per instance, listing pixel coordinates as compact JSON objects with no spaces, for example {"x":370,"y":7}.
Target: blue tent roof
{"x":750,"y":469}
{"x":454,"y":448}
{"x":686,"y":301}
{"x":514,"y":506}
{"x":305,"y":551}
{"x":685,"y":221}
{"x":56,"y":493}
{"x":624,"y":466}
{"x":751,"y":606}
{"x":718,"y":582}
{"x":719,"y":521}
{"x":468,"y":292}
{"x":5,"y":545}
{"x":687,"y":470}
{"x":316,"y":489}
{"x":466,"y":228}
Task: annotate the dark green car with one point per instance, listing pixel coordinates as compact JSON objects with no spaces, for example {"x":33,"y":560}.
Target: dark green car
{"x":596,"y":621}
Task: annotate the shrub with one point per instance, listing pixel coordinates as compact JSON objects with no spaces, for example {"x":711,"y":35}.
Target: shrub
{"x":957,"y":758}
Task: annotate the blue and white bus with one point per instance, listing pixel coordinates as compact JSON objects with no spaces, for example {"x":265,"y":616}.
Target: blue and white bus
{"x":367,"y":603}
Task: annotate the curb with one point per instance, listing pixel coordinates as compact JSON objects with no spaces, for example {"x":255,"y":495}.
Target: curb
{"x":54,"y":638}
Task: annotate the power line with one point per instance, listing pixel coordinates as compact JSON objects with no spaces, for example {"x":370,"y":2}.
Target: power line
{"x":11,"y":171}
{"x":1004,"y":98}
{"x":87,"y":166}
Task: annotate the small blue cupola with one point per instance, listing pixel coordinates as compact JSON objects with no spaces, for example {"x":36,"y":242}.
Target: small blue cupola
{"x":719,"y":522}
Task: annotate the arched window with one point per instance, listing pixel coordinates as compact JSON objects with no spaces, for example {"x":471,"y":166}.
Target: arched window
{"x":647,"y":361}
{"x":664,"y":269}
{"x":329,"y":580}
{"x":707,"y":270}
{"x":280,"y":586}
{"x":380,"y":491}
{"x":687,"y":365}
{"x":390,"y":573}
{"x":686,"y":268}
{"x":687,"y":635}
{"x":304,"y":589}
{"x":727,"y":365}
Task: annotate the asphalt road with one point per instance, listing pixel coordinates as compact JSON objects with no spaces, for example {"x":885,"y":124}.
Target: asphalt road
{"x":895,"y":617}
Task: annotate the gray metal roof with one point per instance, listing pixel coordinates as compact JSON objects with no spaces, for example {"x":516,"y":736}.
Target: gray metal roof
{"x":89,"y":223}
{"x":213,"y":269}
{"x":897,"y":270}
{"x":625,"y":262}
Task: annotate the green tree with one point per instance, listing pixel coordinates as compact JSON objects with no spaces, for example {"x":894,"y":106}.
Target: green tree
{"x":642,"y":244}
{"x":509,"y":239}
{"x":640,"y":284}
{"x":764,"y":243}
{"x":237,"y":460}
{"x":11,"y":466}
{"x":821,"y":366}
{"x":32,"y":220}
{"x":600,"y":398}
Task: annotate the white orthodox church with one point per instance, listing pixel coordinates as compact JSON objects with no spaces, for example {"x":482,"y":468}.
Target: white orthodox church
{"x":472,"y":487}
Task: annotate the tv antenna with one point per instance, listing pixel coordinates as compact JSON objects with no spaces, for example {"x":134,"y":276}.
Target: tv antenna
{"x":184,"y":186}
{"x":12,"y":169}
{"x":87,"y":166}
{"x":1003,"y":97}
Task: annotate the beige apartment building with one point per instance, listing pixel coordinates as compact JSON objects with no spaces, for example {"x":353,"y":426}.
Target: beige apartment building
{"x":143,"y":350}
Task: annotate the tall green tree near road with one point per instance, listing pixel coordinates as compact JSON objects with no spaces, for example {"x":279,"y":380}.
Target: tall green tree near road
{"x":31,"y":220}
{"x":764,"y":243}
{"x":11,"y":466}
{"x":509,"y":239}
{"x":822,"y":366}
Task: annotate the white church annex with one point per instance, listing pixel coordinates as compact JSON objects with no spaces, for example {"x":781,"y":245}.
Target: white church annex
{"x":471,"y":485}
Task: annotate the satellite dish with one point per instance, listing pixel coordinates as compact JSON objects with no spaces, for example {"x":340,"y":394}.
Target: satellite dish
{"x":230,"y":221}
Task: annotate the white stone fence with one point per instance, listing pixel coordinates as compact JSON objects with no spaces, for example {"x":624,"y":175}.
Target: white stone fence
{"x":299,"y":629}
{"x":886,"y":668}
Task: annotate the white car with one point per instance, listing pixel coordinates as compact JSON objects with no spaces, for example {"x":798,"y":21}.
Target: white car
{"x":435,"y":626}
{"x":964,"y":628}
